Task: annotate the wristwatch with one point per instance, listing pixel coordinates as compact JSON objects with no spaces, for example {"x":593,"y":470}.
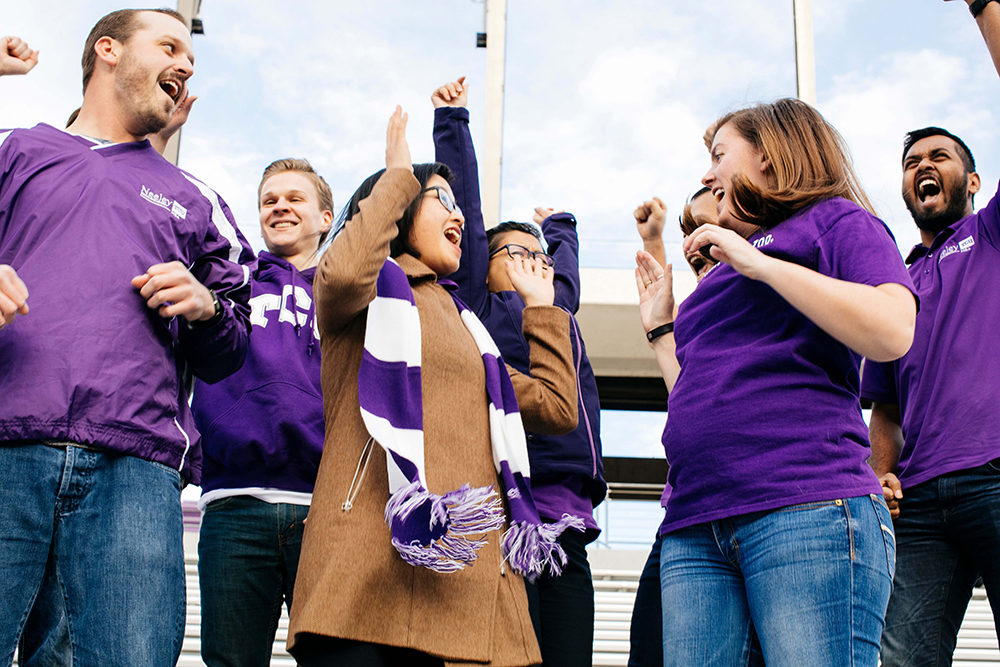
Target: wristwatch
{"x":204,"y":324}
{"x":977,"y":7}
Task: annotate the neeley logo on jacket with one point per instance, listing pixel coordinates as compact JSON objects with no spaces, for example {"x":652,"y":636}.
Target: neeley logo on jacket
{"x":174,"y":207}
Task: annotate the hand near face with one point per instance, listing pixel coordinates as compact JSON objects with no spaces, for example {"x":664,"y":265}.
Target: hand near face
{"x":541,"y":213}
{"x":650,"y":217}
{"x":16,"y":57}
{"x":160,"y":139}
{"x":397,"y":151}
{"x":171,"y":290}
{"x":532,"y":280}
{"x":655,"y":285}
{"x":730,"y":248}
{"x":13,"y":296}
{"x":455,"y":94}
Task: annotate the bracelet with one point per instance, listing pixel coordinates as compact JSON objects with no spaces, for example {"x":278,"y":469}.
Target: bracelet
{"x":977,"y":7}
{"x":656,"y":332}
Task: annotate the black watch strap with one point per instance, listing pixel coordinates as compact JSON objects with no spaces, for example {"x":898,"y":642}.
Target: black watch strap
{"x":976,"y":8}
{"x":656,"y":332}
{"x":214,"y":319}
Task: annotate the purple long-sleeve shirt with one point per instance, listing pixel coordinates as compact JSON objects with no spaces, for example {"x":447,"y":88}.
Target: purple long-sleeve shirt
{"x":91,"y":363}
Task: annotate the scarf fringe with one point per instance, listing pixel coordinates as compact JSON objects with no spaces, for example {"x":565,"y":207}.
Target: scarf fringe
{"x":463,"y":512}
{"x":531,"y":548}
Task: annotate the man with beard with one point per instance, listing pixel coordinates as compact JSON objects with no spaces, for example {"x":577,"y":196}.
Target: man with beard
{"x":935,"y":425}
{"x":138,"y":277}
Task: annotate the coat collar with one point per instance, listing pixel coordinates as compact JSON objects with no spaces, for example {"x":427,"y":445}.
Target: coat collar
{"x":414,"y":269}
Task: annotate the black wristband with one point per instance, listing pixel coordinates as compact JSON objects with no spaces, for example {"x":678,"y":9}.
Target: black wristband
{"x":656,"y":332}
{"x":976,"y":8}
{"x":214,"y":319}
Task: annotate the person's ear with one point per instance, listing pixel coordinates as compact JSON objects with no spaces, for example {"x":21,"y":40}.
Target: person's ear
{"x":974,"y":183}
{"x":108,"y":50}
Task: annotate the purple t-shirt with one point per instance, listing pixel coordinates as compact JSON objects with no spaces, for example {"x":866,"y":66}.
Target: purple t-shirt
{"x":948,"y":385}
{"x":765,"y":412}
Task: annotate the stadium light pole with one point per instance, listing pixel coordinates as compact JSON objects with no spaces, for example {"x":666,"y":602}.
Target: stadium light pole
{"x":805,"y":52}
{"x":496,"y":48}
{"x":189,"y":9}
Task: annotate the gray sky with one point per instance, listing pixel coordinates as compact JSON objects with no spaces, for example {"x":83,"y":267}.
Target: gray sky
{"x":606,"y":101}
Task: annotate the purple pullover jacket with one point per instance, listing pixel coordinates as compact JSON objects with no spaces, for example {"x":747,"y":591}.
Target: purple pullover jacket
{"x":91,"y":363}
{"x":578,"y":452}
{"x":263,"y":425}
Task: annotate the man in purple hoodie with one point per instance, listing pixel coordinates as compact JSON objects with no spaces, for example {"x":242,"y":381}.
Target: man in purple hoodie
{"x":137,"y":277}
{"x":566,"y":471}
{"x":262,"y":429}
{"x":935,"y":424}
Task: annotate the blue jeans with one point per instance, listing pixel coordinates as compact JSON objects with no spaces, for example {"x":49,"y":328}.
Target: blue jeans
{"x":813,"y":580}
{"x":105,"y":531}
{"x":248,"y":553}
{"x":646,"y":630}
{"x":948,"y":531}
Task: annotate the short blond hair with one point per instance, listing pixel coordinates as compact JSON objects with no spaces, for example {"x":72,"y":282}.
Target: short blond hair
{"x":303,"y":167}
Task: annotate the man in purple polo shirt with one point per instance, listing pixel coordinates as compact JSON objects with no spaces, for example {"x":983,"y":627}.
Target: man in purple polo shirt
{"x":935,"y":426}
{"x":136,"y":276}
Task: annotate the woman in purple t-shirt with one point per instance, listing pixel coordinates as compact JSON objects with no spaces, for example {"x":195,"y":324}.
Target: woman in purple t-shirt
{"x":776,"y":525}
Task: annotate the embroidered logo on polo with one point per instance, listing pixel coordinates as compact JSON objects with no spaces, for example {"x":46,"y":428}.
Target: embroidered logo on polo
{"x":164,"y":202}
{"x":965,"y":245}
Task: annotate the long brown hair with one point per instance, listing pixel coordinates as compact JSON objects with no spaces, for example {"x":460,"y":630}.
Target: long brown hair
{"x":809,"y":162}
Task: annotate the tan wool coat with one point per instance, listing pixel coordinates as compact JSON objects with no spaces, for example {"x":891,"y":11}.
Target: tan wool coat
{"x":351,"y":582}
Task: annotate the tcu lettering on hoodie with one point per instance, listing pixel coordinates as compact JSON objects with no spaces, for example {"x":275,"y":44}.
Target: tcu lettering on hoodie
{"x":262,"y":427}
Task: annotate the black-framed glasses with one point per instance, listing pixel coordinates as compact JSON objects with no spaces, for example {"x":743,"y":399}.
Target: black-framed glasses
{"x":515,"y":251}
{"x":445,"y":198}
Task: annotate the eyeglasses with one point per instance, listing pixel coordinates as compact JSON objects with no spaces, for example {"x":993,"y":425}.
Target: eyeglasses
{"x":515,"y":251}
{"x":444,"y":198}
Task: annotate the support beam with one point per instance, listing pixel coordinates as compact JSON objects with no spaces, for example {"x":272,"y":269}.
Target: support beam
{"x":490,"y":168}
{"x":805,"y":52}
{"x":189,"y":9}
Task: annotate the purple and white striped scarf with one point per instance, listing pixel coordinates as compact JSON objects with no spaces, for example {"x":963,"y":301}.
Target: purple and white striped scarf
{"x":433,"y":530}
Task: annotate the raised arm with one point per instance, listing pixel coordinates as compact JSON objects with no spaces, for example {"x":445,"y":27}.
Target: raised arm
{"x":16,"y":57}
{"x":559,"y":229}
{"x":989,"y":24}
{"x":546,"y":395}
{"x":877,"y":322}
{"x":650,"y":218}
{"x":656,"y":308}
{"x":345,"y":278}
{"x":453,"y":147}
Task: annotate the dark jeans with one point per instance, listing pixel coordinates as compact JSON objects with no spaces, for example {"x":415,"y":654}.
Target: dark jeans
{"x":248,"y":553}
{"x":319,"y":651}
{"x":947,"y":534}
{"x":562,"y":608}
{"x":646,"y":630}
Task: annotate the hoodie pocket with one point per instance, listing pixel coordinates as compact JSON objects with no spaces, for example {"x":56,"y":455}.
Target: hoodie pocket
{"x":270,"y":428}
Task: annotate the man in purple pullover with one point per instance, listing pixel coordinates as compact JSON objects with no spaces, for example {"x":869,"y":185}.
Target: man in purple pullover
{"x":136,"y":276}
{"x":935,"y":425}
{"x":566,"y":471}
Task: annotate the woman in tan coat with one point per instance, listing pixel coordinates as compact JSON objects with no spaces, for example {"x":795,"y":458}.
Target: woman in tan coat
{"x":356,"y":600}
